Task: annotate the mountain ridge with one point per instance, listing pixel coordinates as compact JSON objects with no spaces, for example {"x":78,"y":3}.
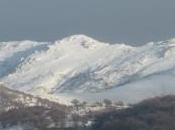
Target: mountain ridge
{"x":80,"y":65}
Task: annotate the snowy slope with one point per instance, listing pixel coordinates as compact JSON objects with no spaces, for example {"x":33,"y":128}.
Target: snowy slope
{"x":79,"y":66}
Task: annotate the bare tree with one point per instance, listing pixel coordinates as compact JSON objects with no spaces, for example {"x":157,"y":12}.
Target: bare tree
{"x":76,"y":104}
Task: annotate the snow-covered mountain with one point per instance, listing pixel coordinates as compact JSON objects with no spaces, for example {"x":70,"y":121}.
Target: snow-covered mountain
{"x":81,"y":67}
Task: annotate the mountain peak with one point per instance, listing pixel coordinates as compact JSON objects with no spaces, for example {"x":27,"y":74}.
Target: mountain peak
{"x":79,"y":37}
{"x":82,"y":40}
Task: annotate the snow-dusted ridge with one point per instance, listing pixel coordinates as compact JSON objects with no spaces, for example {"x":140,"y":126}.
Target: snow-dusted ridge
{"x":79,"y":66}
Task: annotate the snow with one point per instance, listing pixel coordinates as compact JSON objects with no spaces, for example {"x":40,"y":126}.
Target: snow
{"x":14,"y":128}
{"x":81,"y":67}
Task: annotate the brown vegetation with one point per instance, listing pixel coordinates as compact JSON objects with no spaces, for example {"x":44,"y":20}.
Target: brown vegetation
{"x":152,"y":114}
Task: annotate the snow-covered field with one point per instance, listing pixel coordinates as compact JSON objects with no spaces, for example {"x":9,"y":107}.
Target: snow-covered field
{"x":84,"y":68}
{"x":17,"y":128}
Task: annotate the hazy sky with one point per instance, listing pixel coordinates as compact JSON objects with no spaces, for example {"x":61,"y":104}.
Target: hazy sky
{"x":133,"y":21}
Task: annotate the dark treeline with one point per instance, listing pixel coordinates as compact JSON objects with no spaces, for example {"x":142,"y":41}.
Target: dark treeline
{"x":153,"y":114}
{"x":36,"y":117}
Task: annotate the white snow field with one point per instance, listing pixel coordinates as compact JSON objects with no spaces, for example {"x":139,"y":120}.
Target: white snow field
{"x":18,"y":128}
{"x":81,"y":67}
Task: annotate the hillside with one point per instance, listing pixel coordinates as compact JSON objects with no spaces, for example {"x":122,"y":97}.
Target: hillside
{"x":152,"y":114}
{"x":19,"y":110}
{"x":81,"y":67}
{"x":11,"y":99}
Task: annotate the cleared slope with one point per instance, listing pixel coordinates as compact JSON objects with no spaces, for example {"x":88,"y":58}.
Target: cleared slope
{"x":79,"y":66}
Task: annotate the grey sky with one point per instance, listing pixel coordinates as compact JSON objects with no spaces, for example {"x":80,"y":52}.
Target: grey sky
{"x":133,"y":21}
